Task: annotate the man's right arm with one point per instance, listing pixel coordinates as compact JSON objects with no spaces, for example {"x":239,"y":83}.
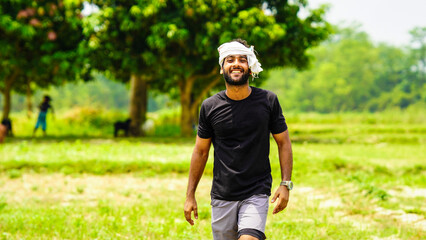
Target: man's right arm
{"x":198,"y":163}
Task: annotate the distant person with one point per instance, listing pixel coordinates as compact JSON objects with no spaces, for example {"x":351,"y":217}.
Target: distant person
{"x":41,"y":120}
{"x":3,"y":132}
{"x":8,"y":124}
{"x":238,"y":122}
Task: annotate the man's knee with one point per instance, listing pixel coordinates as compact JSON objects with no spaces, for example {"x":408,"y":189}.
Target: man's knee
{"x":247,"y":237}
{"x":225,"y":234}
{"x":250,"y":234}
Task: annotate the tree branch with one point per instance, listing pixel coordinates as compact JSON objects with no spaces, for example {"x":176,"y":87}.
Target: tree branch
{"x":206,"y":90}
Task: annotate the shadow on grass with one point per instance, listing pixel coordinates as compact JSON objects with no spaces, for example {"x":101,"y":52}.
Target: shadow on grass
{"x":98,"y":167}
{"x":100,"y":139}
{"x":295,"y":138}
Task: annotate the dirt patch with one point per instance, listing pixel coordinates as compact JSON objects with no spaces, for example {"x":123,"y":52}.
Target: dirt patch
{"x":325,"y":200}
{"x":409,"y":192}
{"x":415,"y":220}
{"x":386,"y":238}
{"x":89,"y":189}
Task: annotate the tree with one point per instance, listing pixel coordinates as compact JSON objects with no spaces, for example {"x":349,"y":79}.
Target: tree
{"x":118,"y":35}
{"x":418,"y":54}
{"x":187,"y":34}
{"x":39,"y":44}
{"x":401,"y":78}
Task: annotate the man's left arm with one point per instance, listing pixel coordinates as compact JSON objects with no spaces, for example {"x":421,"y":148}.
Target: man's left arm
{"x":285,"y":155}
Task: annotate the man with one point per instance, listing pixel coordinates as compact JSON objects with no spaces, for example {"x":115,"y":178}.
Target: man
{"x":238,"y":121}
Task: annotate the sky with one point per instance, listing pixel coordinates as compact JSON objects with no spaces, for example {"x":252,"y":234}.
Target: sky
{"x":384,"y":20}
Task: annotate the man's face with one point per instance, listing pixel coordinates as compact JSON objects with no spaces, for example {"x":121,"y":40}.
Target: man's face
{"x":236,"y":70}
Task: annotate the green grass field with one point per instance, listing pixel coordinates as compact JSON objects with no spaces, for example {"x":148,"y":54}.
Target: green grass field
{"x":356,"y":177}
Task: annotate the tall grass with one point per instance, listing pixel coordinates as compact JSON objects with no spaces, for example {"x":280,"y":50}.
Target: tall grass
{"x":397,"y":126}
{"x":96,"y":122}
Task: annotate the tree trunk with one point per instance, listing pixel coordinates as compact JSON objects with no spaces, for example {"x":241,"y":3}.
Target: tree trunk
{"x":138,"y":103}
{"x":195,"y":113}
{"x":190,"y":102}
{"x":185,"y":117}
{"x":28,"y":100}
{"x":7,"y":98}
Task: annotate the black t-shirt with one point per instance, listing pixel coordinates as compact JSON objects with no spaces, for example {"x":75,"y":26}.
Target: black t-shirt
{"x":240,"y":132}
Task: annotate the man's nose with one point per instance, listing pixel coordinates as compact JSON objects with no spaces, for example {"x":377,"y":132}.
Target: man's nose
{"x":236,"y":63}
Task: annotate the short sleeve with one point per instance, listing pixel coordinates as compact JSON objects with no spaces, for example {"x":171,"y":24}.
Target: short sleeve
{"x":205,"y":129}
{"x":277,"y":122}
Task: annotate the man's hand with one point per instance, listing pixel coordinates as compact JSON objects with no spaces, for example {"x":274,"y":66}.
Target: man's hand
{"x":283,"y":195}
{"x":190,"y":205}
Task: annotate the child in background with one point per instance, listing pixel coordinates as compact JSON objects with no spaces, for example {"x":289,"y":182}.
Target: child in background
{"x":41,"y":120}
{"x":3,"y":131}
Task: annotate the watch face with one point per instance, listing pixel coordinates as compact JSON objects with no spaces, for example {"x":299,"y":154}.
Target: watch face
{"x":290,"y":185}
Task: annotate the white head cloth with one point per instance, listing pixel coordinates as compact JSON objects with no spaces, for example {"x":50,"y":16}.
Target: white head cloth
{"x":236,"y":48}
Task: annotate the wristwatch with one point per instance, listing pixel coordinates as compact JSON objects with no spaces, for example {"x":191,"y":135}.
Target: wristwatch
{"x":288,"y":184}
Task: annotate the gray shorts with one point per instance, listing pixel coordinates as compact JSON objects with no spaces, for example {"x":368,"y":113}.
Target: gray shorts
{"x":231,"y":219}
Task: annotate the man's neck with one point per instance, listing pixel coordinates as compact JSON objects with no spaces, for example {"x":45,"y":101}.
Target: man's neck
{"x":238,"y":92}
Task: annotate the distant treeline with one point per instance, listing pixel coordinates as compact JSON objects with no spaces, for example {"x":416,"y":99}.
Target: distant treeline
{"x":350,"y":73}
{"x":100,"y":93}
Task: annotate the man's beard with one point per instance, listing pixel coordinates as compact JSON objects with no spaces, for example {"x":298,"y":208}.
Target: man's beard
{"x":243,"y":79}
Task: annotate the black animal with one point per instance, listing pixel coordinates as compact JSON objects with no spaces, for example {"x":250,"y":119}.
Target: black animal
{"x":8,"y":124}
{"x":122,"y":125}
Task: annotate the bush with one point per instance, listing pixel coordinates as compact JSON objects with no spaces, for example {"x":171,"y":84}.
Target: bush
{"x":97,"y":122}
{"x":89,"y":121}
{"x":166,"y":122}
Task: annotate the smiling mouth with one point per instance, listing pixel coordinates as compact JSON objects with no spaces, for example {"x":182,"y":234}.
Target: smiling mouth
{"x":237,"y":71}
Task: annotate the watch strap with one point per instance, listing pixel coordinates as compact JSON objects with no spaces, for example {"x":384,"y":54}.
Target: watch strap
{"x":288,"y":184}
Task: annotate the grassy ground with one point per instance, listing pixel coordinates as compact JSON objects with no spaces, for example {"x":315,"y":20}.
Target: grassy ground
{"x":355,"y":178}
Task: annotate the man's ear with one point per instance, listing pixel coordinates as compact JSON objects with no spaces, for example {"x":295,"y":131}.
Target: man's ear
{"x":221,"y":71}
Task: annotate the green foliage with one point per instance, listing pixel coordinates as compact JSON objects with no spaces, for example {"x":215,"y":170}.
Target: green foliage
{"x":117,"y":36}
{"x":352,"y":74}
{"x":14,"y":173}
{"x":99,"y":93}
{"x":88,"y":117}
{"x":136,"y":37}
{"x":166,"y":122}
{"x":40,"y":45}
{"x":40,"y":40}
{"x":96,"y":122}
{"x":129,"y":40}
{"x":3,"y":203}
{"x":76,"y":121}
{"x":386,"y":127}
